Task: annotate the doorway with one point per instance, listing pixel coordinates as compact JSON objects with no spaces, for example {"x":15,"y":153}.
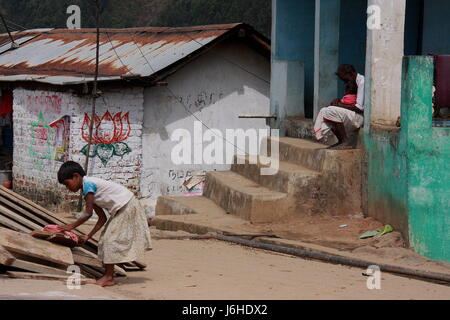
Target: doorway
{"x":6,"y":138}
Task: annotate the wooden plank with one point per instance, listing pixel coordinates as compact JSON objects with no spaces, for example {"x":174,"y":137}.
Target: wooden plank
{"x":36,"y":208}
{"x":29,"y":246}
{"x":94,"y":273}
{"x":43,"y":276}
{"x":89,"y":261}
{"x":6,"y":257}
{"x":95,"y":263}
{"x":35,"y":267}
{"x":57,"y":238}
{"x":45,"y":214}
{"x":22,"y":211}
{"x":11,"y":224}
{"x":16,"y":217}
{"x":15,"y":198}
{"x":140,"y":264}
{"x":129,"y":267}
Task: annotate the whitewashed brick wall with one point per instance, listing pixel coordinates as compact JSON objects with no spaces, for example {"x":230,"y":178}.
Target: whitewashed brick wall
{"x":35,"y":168}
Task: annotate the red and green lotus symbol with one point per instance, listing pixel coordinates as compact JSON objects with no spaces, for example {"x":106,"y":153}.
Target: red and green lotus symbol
{"x":108,"y":136}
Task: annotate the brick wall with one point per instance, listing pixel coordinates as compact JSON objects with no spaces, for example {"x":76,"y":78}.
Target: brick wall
{"x":39,"y":146}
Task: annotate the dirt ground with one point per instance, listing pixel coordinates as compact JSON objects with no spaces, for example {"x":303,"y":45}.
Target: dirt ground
{"x":210,"y":269}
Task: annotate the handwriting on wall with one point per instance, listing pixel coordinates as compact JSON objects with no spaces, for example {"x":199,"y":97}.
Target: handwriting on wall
{"x":108,"y":135}
{"x":44,"y":103}
{"x":201,"y":100}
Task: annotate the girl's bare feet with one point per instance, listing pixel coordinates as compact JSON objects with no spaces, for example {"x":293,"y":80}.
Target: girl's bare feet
{"x":105,"y":281}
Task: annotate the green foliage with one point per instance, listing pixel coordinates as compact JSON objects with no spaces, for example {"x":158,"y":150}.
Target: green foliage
{"x":136,"y":13}
{"x":200,"y":12}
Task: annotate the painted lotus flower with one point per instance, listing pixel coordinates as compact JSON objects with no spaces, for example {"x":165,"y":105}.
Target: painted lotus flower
{"x":108,"y":134}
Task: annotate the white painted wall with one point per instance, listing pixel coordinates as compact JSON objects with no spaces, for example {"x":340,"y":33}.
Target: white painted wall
{"x":216,"y":89}
{"x":385,"y":50}
{"x":35,"y":168}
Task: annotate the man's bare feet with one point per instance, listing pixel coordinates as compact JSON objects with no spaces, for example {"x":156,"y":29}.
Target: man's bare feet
{"x":105,"y":281}
{"x":334,"y":145}
{"x":343,"y":146}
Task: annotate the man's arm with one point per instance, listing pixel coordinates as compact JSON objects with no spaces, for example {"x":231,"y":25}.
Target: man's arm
{"x":351,"y":107}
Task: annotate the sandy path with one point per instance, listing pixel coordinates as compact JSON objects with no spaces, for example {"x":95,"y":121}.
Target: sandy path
{"x":209,"y":269}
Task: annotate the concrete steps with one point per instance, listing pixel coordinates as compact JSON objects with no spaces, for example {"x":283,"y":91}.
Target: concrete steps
{"x":167,"y":205}
{"x":302,"y":152}
{"x":291,"y":178}
{"x":339,"y":186}
{"x":310,"y":180}
{"x":245,"y":198}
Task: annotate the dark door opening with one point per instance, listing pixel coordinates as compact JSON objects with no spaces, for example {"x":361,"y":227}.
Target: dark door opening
{"x":6,"y":138}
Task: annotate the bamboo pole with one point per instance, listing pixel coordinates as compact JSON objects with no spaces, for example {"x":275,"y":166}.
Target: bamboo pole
{"x":94,"y":99}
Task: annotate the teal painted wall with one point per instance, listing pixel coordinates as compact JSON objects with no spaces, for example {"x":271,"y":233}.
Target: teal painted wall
{"x":428,"y":163}
{"x":427,"y":27}
{"x":294,"y":34}
{"x":353,"y":36}
{"x":409,"y":169}
{"x":387,"y":178}
{"x":436,"y":27}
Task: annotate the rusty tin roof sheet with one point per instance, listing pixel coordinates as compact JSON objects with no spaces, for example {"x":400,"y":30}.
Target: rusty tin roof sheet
{"x":63,"y":57}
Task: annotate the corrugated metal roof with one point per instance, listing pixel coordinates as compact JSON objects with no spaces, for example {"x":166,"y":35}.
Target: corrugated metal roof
{"x":62,"y":56}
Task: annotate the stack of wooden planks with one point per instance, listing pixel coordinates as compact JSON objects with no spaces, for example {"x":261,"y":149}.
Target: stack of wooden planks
{"x":19,"y":250}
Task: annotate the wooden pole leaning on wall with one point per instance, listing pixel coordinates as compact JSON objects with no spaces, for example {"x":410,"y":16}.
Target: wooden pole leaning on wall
{"x":94,"y":99}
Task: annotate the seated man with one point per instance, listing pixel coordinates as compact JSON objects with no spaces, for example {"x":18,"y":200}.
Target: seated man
{"x":339,"y":117}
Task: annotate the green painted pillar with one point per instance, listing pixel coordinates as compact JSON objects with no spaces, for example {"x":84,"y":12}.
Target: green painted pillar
{"x":428,"y":158}
{"x":417,"y":93}
{"x":326,"y":52}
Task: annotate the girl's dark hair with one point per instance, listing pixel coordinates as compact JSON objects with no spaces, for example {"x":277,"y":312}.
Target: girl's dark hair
{"x":68,"y":169}
{"x":351,"y":87}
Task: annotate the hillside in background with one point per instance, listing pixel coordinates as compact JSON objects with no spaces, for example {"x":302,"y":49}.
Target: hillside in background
{"x":30,"y":14}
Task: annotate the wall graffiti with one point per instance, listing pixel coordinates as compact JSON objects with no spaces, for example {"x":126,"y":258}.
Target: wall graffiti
{"x":61,"y":129}
{"x":108,"y":135}
{"x":49,"y":141}
{"x":41,"y":137}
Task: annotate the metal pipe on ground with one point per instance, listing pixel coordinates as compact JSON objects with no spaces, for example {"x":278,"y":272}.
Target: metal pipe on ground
{"x":436,"y":277}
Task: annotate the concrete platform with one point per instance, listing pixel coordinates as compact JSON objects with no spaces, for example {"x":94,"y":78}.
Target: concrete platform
{"x":186,"y":205}
{"x":289,"y":179}
{"x":245,"y":198}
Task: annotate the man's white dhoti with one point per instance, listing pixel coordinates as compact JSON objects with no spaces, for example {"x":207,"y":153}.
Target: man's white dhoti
{"x":350,"y":119}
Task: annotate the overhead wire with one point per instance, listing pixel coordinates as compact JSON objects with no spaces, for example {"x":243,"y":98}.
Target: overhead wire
{"x":184,"y":106}
{"x":114,"y":49}
{"x":17,"y":25}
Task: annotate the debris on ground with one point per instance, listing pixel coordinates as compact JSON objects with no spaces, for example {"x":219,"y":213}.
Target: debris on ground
{"x":379,"y":232}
